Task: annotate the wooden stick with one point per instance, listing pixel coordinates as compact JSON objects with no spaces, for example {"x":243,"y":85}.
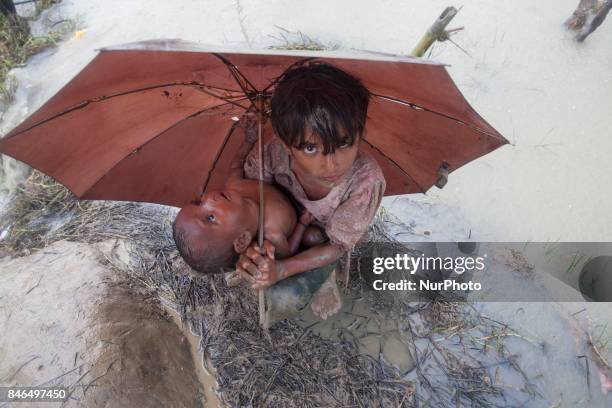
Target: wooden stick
{"x":578,"y":18}
{"x":435,"y":32}
{"x":263,"y":320}
{"x":594,"y":20}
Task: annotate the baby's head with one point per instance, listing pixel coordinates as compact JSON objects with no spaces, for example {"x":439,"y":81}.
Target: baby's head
{"x":209,"y":233}
{"x":319,"y":112}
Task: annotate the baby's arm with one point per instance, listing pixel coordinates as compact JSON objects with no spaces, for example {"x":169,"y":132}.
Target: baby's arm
{"x":313,"y":236}
{"x":298,"y":232}
{"x":287,"y":247}
{"x":281,"y":245}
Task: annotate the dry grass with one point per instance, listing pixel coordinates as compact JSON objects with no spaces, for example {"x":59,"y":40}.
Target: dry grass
{"x":17,"y":45}
{"x":296,"y":40}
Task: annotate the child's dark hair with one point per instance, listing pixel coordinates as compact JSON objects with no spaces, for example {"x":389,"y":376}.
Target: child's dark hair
{"x":320,"y":97}
{"x":209,"y":257}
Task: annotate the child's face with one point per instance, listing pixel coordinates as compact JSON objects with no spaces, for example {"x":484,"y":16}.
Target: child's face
{"x":327,"y":169}
{"x":221,"y":215}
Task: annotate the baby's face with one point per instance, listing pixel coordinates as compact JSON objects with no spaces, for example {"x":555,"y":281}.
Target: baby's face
{"x":219,"y":215}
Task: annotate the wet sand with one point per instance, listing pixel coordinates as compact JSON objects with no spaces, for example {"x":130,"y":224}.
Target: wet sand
{"x":144,"y":359}
{"x":376,"y":334}
{"x":67,"y":320}
{"x":206,"y":377}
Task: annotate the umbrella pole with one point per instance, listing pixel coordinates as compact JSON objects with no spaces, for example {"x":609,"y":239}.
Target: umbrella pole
{"x":263,"y":316}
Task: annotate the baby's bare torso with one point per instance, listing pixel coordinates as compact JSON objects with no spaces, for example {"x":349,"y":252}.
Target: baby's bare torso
{"x":279,"y":214}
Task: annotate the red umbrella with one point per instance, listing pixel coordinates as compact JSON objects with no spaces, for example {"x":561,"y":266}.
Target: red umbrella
{"x":152,"y":121}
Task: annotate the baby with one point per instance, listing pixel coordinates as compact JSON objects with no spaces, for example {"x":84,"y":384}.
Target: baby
{"x":211,"y":232}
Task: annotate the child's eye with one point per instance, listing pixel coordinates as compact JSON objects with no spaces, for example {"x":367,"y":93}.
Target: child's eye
{"x":211,"y":218}
{"x":310,"y":149}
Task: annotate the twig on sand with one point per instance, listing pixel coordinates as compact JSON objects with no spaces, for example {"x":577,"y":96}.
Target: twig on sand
{"x":35,"y":286}
{"x":597,"y":352}
{"x":58,"y":377}
{"x":21,"y":367}
{"x":588,"y":374}
{"x":86,"y":387}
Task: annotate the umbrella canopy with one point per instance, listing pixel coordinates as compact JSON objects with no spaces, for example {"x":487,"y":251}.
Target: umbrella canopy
{"x":152,"y":121}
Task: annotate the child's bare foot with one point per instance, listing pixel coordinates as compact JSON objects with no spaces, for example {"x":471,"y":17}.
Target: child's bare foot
{"x":327,"y":302}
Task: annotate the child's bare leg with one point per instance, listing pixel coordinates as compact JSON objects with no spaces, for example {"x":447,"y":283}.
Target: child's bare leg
{"x":327,"y":302}
{"x":313,"y":236}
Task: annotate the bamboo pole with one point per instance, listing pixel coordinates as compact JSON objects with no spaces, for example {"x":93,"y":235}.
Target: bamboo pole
{"x":263,"y":316}
{"x":435,"y":33}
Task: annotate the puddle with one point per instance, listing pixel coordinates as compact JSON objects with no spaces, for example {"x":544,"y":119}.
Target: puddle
{"x":373,"y":333}
{"x":143,"y":358}
{"x":206,"y":378}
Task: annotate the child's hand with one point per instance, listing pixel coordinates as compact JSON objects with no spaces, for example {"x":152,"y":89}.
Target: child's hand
{"x":306,"y":218}
{"x":261,"y":265}
{"x":237,"y":278}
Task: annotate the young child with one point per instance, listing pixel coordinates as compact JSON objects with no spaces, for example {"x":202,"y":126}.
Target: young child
{"x":210,"y":232}
{"x":318,"y":116}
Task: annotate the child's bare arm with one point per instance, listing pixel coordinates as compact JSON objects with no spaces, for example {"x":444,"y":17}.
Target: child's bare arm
{"x":270,"y":270}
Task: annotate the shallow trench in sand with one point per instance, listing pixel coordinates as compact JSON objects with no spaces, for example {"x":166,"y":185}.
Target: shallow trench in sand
{"x":66,"y":320}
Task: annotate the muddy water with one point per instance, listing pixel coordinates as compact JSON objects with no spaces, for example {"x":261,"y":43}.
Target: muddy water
{"x":374,"y":333}
{"x":144,"y":360}
{"x":206,"y":377}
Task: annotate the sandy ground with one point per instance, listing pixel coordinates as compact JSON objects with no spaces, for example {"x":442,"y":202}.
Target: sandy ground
{"x":548,"y":95}
{"x":68,"y":321}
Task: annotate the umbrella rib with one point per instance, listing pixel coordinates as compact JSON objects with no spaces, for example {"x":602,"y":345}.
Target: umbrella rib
{"x":238,"y":77}
{"x":83,"y":104}
{"x":201,"y":89}
{"x":217,"y":157}
{"x":419,"y":107}
{"x":190,"y":116}
{"x":395,"y":164}
{"x":219,"y":151}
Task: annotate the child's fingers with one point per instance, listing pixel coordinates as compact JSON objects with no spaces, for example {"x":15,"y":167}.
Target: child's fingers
{"x":260,"y":284}
{"x":233,"y":279}
{"x":258,"y":249}
{"x":257,"y":259}
{"x":253,"y":252}
{"x":248,"y":266}
{"x":269,"y":249}
{"x":244,"y":275}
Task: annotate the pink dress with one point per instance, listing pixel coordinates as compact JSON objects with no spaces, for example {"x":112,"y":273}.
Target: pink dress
{"x":347,"y":211}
